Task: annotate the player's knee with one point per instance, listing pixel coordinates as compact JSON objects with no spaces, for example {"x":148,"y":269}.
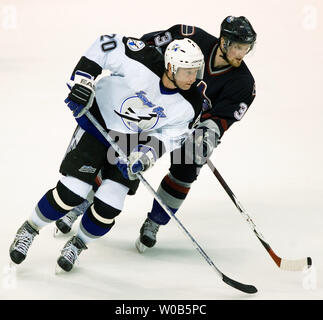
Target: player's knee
{"x":107,"y":203}
{"x":67,"y":196}
{"x":104,"y":212}
{"x":57,"y":202}
{"x":186,"y":173}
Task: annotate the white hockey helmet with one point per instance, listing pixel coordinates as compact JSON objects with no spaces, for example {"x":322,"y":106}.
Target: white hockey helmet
{"x":184,"y":53}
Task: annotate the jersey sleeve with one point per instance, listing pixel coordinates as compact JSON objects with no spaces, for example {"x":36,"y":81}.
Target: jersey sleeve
{"x":237,"y":96}
{"x":108,"y":51}
{"x":179,"y":31}
{"x":105,"y":53}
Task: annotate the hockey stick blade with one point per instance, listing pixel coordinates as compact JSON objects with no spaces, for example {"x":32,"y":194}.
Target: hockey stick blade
{"x":246,"y":288}
{"x":296,"y":265}
{"x":284,"y":264}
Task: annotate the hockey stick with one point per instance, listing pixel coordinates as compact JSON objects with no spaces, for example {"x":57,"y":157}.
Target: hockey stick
{"x":235,"y":284}
{"x":284,"y":264}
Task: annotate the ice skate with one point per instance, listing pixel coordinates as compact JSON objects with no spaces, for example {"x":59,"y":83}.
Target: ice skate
{"x":65,"y":224}
{"x":70,"y":253}
{"x":147,"y":238}
{"x":24,"y":238}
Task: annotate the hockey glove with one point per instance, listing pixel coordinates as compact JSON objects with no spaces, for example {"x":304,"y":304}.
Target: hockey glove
{"x":141,"y":159}
{"x":80,"y":99}
{"x":203,"y":141}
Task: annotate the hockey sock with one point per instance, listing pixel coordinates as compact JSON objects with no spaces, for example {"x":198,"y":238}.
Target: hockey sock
{"x":158,"y":214}
{"x":173,"y":193}
{"x":94,"y":224}
{"x":54,"y":205}
{"x":99,"y":218}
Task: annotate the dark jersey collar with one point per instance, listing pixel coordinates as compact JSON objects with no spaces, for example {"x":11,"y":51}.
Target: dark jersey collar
{"x":165,"y":90}
{"x":210,"y":64}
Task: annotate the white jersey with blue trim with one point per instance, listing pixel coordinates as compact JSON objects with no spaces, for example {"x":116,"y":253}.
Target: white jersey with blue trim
{"x":132,"y":98}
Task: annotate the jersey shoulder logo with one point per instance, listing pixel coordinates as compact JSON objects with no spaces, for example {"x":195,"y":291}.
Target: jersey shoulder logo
{"x":135,"y":45}
{"x":139,"y":114}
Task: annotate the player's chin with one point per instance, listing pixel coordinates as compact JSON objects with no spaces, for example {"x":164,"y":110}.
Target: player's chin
{"x":185,"y":86}
{"x":236,"y":63}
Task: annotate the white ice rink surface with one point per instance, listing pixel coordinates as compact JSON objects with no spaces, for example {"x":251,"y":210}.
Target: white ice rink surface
{"x":272,"y":159}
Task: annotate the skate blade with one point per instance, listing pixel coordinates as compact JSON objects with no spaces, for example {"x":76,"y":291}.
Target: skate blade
{"x":59,"y":233}
{"x":140,"y":246}
{"x":56,"y":232}
{"x":59,"y":270}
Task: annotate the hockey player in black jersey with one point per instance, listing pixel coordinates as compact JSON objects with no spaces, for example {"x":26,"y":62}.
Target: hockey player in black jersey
{"x":228,"y":88}
{"x":148,"y":105}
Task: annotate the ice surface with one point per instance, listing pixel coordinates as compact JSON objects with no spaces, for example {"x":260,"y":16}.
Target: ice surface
{"x":272,"y":160}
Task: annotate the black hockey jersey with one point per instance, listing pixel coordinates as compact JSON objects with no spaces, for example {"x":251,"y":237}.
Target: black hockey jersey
{"x":229,"y":91}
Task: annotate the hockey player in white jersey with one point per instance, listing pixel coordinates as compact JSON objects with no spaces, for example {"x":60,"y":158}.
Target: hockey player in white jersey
{"x":148,"y":105}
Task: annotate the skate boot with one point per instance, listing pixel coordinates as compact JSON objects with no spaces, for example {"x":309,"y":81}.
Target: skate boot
{"x":65,"y":224}
{"x":148,"y":233}
{"x":70,"y":253}
{"x":24,"y":238}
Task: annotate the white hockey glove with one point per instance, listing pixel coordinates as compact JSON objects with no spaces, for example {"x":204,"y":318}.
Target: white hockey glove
{"x":141,"y":159}
{"x":81,"y":97}
{"x":203,"y":141}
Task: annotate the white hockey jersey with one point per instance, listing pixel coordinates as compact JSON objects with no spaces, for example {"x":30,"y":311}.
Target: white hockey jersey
{"x":132,"y":99}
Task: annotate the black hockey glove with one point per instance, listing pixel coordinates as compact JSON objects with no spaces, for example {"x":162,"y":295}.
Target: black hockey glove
{"x":203,"y":141}
{"x":80,"y":99}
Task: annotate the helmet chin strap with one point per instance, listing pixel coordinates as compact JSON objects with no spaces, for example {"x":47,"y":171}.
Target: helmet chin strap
{"x":173,"y":81}
{"x":224,"y":55}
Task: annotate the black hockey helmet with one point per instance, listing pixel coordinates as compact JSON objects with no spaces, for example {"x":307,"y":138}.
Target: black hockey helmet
{"x":238,"y":29}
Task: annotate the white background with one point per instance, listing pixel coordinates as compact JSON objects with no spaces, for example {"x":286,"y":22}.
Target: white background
{"x":272,"y":159}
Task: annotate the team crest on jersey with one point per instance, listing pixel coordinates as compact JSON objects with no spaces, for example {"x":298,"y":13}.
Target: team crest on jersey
{"x":135,"y":45}
{"x":139,"y":114}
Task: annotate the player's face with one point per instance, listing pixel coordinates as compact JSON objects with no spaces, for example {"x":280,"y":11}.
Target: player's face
{"x":236,"y":52}
{"x":185,"y":77}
